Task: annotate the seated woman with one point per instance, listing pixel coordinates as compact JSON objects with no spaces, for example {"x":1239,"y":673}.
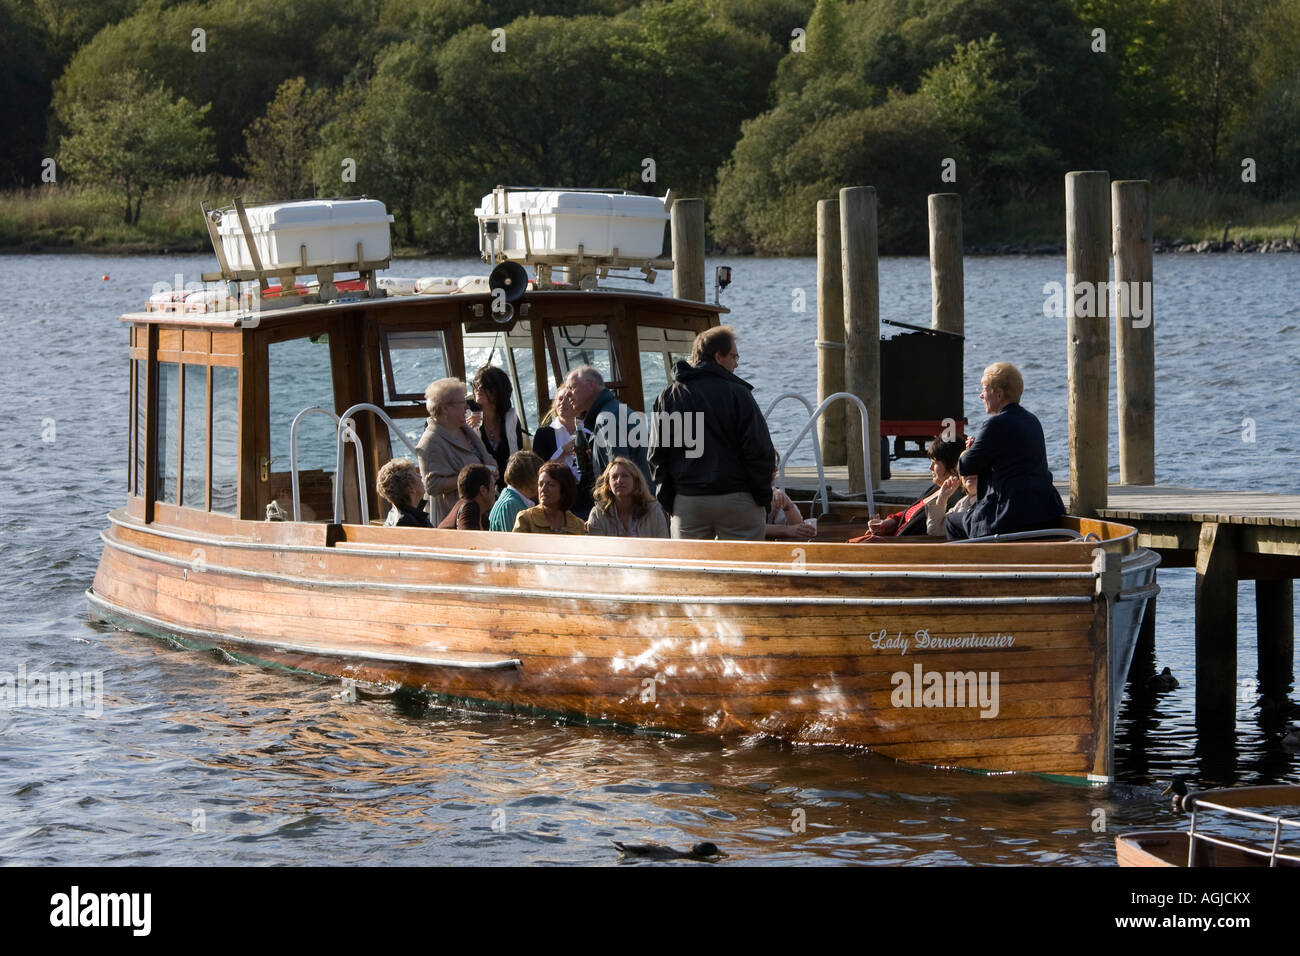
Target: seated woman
{"x":447,"y":445}
{"x":1010,"y":460}
{"x":784,"y":519}
{"x":475,"y":485}
{"x":400,"y":483}
{"x":521,"y":485}
{"x":556,"y":490}
{"x":915,"y":519}
{"x":937,"y":508}
{"x":624,"y":506}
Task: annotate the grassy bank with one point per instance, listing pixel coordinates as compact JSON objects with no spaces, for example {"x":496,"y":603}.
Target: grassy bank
{"x":66,"y":218}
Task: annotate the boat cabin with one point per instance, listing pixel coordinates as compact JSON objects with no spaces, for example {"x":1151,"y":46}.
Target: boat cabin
{"x":214,"y":395}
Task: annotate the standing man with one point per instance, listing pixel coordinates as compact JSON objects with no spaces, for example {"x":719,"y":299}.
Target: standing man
{"x":616,"y":429}
{"x":723,"y":487}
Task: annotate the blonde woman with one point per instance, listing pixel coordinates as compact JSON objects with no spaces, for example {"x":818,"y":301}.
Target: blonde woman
{"x":448,"y":445}
{"x":624,"y":506}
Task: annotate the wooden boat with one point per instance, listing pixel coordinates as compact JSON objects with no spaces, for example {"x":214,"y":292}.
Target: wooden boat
{"x":995,"y":656}
{"x":1260,"y":838}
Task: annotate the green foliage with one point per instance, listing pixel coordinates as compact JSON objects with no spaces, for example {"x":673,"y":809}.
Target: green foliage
{"x":24,"y":56}
{"x":134,"y":137}
{"x":282,"y":143}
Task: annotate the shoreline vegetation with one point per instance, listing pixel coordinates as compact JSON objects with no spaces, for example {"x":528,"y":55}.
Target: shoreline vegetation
{"x":76,"y":219}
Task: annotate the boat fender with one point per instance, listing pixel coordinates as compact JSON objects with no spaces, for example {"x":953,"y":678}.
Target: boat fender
{"x":473,"y":284}
{"x":397,"y":286}
{"x":436,"y":285}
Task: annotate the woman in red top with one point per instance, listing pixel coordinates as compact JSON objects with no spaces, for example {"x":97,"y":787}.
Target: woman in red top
{"x":911,"y":520}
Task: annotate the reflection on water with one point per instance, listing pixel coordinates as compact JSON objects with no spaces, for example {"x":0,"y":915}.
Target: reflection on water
{"x":198,"y":759}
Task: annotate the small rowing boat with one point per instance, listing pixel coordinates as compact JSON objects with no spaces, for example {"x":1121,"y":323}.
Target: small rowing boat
{"x":1252,"y":828}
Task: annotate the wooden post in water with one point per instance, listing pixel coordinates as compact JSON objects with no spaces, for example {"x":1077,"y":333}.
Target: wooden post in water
{"x":1135,"y":352}
{"x":1087,"y":272}
{"x":687,"y":217}
{"x":1275,"y":613}
{"x":1216,"y":628}
{"x":830,"y":330}
{"x":947,"y":294}
{"x":859,"y":256}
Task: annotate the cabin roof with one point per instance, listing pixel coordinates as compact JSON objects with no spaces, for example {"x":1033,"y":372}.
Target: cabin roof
{"x":251,"y":319}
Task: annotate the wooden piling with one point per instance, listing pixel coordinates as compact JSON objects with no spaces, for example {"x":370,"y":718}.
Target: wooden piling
{"x":860,"y":261}
{"x":687,"y":218}
{"x":1275,"y":614}
{"x":1216,"y":627}
{"x":1087,"y":270}
{"x":947,"y":292}
{"x":1135,"y":355}
{"x":830,"y":331}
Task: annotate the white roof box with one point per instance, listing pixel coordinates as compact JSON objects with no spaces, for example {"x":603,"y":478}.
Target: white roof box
{"x":308,"y":234}
{"x":541,"y":223}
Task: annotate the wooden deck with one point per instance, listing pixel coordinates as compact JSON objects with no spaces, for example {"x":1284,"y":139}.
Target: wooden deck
{"x":1227,"y":536}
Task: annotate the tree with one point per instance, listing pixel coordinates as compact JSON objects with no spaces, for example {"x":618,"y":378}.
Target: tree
{"x":281,"y":143}
{"x":135,"y":137}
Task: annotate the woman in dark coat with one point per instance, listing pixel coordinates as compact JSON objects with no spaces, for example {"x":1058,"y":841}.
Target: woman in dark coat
{"x":1010,"y":459}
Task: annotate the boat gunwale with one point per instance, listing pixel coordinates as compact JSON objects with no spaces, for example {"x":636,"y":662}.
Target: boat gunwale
{"x":1054,"y":571}
{"x":467,"y":590}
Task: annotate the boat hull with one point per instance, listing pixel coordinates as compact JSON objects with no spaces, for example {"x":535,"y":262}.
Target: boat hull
{"x":928,"y":654}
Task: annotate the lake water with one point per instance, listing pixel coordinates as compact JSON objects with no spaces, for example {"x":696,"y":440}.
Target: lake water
{"x":197,"y":759}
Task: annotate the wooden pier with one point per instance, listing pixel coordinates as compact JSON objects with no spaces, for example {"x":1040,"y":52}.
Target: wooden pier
{"x":1228,"y":536}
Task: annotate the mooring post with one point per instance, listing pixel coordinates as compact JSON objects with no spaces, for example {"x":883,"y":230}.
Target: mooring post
{"x":947,"y":291}
{"x":1275,"y":613}
{"x":1216,"y":627}
{"x":1135,"y":352}
{"x":1087,"y":275}
{"x":687,"y":217}
{"x":830,"y":331}
{"x":859,"y":257}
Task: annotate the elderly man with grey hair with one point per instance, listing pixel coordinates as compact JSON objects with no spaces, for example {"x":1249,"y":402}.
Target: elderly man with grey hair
{"x":617,"y":431}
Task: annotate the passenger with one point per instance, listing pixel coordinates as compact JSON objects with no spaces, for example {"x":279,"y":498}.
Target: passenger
{"x":475,"y":485}
{"x":610,"y":422}
{"x":447,"y":445}
{"x":556,"y":440}
{"x":724,"y":487}
{"x":556,"y":489}
{"x":502,"y":432}
{"x":399,"y":483}
{"x":970,"y":486}
{"x":925,"y":516}
{"x":784,"y":519}
{"x":624,"y":506}
{"x":521,"y":485}
{"x":1010,"y":459}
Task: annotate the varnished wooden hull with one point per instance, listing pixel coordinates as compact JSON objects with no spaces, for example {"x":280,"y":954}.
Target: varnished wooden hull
{"x":682,"y":637}
{"x":1169,"y":848}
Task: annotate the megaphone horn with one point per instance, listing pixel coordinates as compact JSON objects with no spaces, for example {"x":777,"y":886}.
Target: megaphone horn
{"x":511,"y":278}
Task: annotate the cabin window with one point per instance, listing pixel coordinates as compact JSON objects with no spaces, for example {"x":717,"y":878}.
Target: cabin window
{"x":169,"y":420}
{"x":301,"y":376}
{"x":659,"y":350}
{"x":225,"y":439}
{"x":141,"y":377}
{"x":194,"y":463}
{"x":578,"y":345}
{"x":411,"y":360}
{"x":525,"y":386}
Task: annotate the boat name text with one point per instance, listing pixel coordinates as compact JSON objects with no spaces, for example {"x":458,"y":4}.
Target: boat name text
{"x":923,"y":640}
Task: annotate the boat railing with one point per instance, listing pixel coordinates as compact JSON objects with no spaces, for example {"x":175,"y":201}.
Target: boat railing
{"x":344,"y":427}
{"x":813,"y":415}
{"x":349,"y":434}
{"x":1196,"y":803}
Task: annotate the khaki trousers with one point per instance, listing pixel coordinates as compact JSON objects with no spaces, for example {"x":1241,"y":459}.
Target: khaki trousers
{"x":734,"y":517}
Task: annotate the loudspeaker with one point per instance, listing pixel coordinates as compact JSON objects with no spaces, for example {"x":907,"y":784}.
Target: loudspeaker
{"x":512,"y":278}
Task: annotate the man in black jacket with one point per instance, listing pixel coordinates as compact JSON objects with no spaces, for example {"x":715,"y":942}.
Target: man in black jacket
{"x":720,"y":484}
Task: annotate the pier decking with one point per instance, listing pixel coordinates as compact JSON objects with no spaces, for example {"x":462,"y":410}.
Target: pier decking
{"x":1227,"y":536}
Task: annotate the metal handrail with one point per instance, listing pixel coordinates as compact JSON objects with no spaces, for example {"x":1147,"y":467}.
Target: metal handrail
{"x":1273,"y":855}
{"x":362,"y":491}
{"x":349,"y":434}
{"x":822,"y":490}
{"x":866,"y":450}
